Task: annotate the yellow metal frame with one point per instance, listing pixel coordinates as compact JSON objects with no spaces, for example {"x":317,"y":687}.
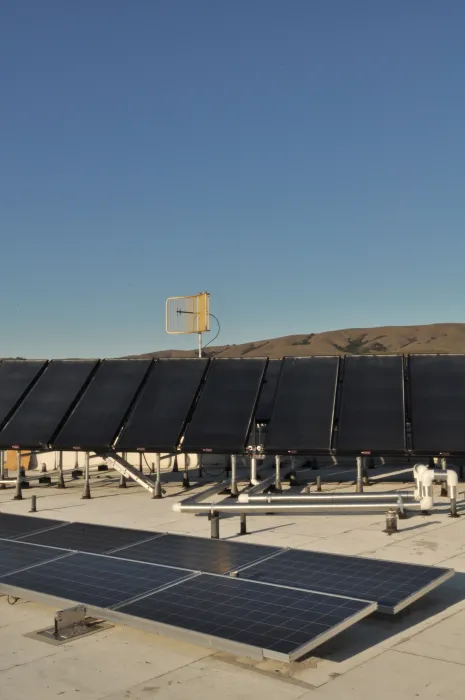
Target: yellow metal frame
{"x":194,"y":309}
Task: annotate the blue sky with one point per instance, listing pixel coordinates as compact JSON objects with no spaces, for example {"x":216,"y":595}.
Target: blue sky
{"x":302,"y":160}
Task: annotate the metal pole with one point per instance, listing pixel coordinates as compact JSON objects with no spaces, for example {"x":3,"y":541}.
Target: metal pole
{"x":2,"y":468}
{"x":234,"y":489}
{"x":61,"y":481}
{"x":215,"y":525}
{"x":243,"y":529}
{"x":157,"y":491}
{"x":359,"y":482}
{"x":200,"y":345}
{"x":141,"y":466}
{"x":33,"y":504}
{"x":122,"y":481}
{"x":292,"y":473}
{"x":277,"y":481}
{"x":444,"y":468}
{"x":18,"y":494}
{"x":185,"y":477}
{"x":318,"y":483}
{"x":199,"y":462}
{"x":86,"y":493}
{"x":366,"y":481}
{"x":253,"y":470}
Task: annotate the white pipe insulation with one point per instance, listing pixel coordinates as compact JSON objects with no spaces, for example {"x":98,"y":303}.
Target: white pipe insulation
{"x":428,"y":477}
{"x":418,"y":470}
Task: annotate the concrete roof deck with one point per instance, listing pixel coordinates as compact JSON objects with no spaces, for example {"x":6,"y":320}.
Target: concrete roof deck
{"x":419,"y":653}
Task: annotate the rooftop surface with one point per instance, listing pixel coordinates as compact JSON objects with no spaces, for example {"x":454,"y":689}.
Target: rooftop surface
{"x":419,"y":653}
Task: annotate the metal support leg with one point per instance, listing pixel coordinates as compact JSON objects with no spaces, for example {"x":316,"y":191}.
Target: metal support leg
{"x":215,"y":525}
{"x":2,"y":468}
{"x":18,"y":493}
{"x":199,"y":462}
{"x":86,"y":493}
{"x":61,"y":481}
{"x":234,"y":489}
{"x":292,"y":473}
{"x":391,"y":522}
{"x":33,"y":504}
{"x":443,"y":483}
{"x":253,"y":471}
{"x":175,"y":465}
{"x":359,"y":482}
{"x":366,"y":481}
{"x":243,"y":529}
{"x":318,"y":483}
{"x":122,"y":480}
{"x":141,"y":464}
{"x":157,"y":491}
{"x":453,"y":501}
{"x":76,"y":473}
{"x":185,"y":477}
{"x":277,"y":480}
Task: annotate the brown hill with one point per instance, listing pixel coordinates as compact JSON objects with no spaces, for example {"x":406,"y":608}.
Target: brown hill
{"x":435,"y":338}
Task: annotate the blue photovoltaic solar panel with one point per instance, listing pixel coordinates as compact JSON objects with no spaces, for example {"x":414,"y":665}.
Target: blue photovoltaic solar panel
{"x":282,"y":622}
{"x":392,"y":585}
{"x":12,"y":526}
{"x":92,"y":579}
{"x":197,"y":553}
{"x":18,"y":555}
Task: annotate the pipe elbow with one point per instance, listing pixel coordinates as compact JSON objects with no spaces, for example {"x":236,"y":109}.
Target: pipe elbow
{"x":452,"y":478}
{"x":427,"y":478}
{"x":177,"y":507}
{"x":243,"y":498}
{"x":426,"y":503}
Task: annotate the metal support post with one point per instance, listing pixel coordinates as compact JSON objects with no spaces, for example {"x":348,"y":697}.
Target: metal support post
{"x":359,"y":482}
{"x":157,"y":491}
{"x":234,"y":489}
{"x":366,"y":481}
{"x":141,"y":466}
{"x":292,"y":473}
{"x":175,"y":465}
{"x":33,"y":504}
{"x":443,"y":483}
{"x":199,"y":462}
{"x":243,"y":529}
{"x":152,"y":467}
{"x":253,"y":470}
{"x":391,"y":522}
{"x":18,"y":493}
{"x":215,"y":525}
{"x":86,"y":493}
{"x":76,"y":473}
{"x":453,"y":508}
{"x":185,"y":477}
{"x":318,"y":483}
{"x":122,"y":480}
{"x":200,"y":345}
{"x":61,"y":481}
{"x":277,"y":480}
{"x":2,"y":468}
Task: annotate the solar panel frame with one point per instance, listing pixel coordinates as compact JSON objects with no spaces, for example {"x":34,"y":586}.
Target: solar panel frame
{"x":351,"y":576}
{"x":16,"y":378}
{"x":164,"y":404}
{"x":213,"y":609}
{"x":46,"y":405}
{"x":295,"y":427}
{"x":223,"y":415}
{"x":98,"y":581}
{"x":89,"y":538}
{"x":102,"y":410}
{"x":437,"y":404}
{"x":371,"y":416}
{"x":197,"y":553}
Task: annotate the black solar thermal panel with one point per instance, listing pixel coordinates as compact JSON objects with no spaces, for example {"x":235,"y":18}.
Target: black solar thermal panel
{"x":391,"y":585}
{"x":101,"y":411}
{"x":16,"y":376}
{"x":163,"y":407}
{"x":437,"y":396}
{"x":197,"y":553}
{"x":302,"y":417}
{"x":372,"y":411}
{"x":46,"y":405}
{"x":268,"y":391}
{"x":92,"y":579}
{"x":85,"y":537}
{"x":223,"y":414}
{"x":283,"y":623}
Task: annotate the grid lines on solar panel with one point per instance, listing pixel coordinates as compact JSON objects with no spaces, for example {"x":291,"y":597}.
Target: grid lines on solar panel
{"x":384,"y":582}
{"x":85,"y":537}
{"x":12,"y":526}
{"x":268,"y":617}
{"x":94,"y":580}
{"x":15,"y":555}
{"x":197,"y":553}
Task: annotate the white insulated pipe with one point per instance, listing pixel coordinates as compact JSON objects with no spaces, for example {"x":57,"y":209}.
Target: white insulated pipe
{"x":418,"y":470}
{"x":272,"y":508}
{"x":428,"y":478}
{"x":323,"y":497}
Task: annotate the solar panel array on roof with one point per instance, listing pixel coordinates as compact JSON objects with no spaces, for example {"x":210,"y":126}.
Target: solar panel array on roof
{"x":437,"y":395}
{"x":223,"y":415}
{"x":16,"y":376}
{"x":268,"y":392}
{"x":371,"y":416}
{"x":99,"y":415}
{"x":159,"y":416}
{"x":303,"y":412}
{"x":43,"y":409}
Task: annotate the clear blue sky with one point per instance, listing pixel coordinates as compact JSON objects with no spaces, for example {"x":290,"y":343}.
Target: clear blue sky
{"x":302,"y":160}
